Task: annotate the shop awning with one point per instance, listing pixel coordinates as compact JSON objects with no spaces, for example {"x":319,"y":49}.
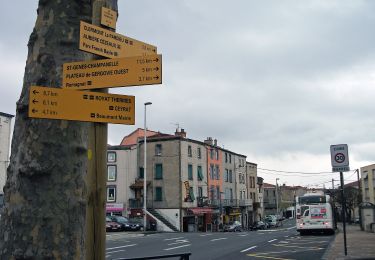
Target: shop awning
{"x":199,"y":211}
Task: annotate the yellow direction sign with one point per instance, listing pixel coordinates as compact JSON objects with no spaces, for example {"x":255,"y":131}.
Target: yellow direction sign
{"x":56,"y":103}
{"x":109,"y":18}
{"x":97,"y":40}
{"x":121,"y":72}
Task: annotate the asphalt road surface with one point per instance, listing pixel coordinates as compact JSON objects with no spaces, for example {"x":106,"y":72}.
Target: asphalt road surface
{"x":281,"y":243}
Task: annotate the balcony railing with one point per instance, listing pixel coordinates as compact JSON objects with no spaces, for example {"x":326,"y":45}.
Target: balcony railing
{"x":135,"y":203}
{"x":246,"y":202}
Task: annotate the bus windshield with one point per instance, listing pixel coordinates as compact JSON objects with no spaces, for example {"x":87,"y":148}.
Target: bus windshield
{"x":311,"y":199}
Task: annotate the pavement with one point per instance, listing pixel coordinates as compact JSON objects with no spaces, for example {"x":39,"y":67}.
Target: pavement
{"x":360,"y":244}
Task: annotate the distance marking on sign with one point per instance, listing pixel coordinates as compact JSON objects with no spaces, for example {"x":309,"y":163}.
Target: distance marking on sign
{"x":120,"y":72}
{"x":108,"y":18}
{"x":97,"y":40}
{"x":56,"y":103}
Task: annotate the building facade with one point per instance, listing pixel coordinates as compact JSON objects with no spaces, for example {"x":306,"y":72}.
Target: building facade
{"x":368,"y":183}
{"x":121,"y":173}
{"x":5,"y":133}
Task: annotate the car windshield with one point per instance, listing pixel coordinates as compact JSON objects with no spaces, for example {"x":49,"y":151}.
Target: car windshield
{"x":107,"y":219}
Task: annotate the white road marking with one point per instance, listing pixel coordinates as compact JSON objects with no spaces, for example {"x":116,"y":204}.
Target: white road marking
{"x":120,"y":247}
{"x":177,"y":247}
{"x":173,"y":238}
{"x":219,"y":238}
{"x":205,"y":235}
{"x":247,"y":249}
{"x":272,"y":240}
{"x":243,"y":235}
{"x":178,"y":242}
{"x":117,"y":251}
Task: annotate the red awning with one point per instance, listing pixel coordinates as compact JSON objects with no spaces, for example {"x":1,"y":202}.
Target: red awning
{"x":199,"y":211}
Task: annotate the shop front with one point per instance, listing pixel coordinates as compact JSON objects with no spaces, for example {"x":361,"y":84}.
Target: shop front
{"x":115,"y":209}
{"x":197,"y":219}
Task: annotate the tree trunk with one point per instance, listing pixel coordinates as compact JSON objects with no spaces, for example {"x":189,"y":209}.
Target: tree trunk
{"x":45,"y":192}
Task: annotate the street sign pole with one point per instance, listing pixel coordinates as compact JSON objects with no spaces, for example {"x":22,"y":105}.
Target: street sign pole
{"x":343,"y":211}
{"x":96,"y":172}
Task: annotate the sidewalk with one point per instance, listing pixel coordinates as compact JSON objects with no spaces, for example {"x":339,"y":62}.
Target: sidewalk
{"x":360,"y":244}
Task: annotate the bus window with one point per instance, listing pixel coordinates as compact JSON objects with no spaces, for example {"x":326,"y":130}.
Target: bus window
{"x":307,"y":212}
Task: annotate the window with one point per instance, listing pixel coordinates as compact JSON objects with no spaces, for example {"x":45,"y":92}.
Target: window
{"x":111,"y":157}
{"x":199,"y":173}
{"x":217,"y":172}
{"x":199,"y":153}
{"x":111,"y":193}
{"x":217,"y":154}
{"x":211,"y":171}
{"x":212,"y":154}
{"x":111,"y":172}
{"x":141,"y":172}
{"x":200,"y":192}
{"x":226,"y":157}
{"x":218,"y":192}
{"x":158,"y":149}
{"x":158,"y":171}
{"x":189,"y":151}
{"x":230,"y":158}
{"x":191,"y":193}
{"x":190,"y":172}
{"x":212,"y":192}
{"x":231,"y":193}
{"x":226,"y":175}
{"x":230,"y":176}
{"x":158,"y":193}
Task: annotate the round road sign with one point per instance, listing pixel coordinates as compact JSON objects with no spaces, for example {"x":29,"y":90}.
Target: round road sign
{"x":340,"y":158}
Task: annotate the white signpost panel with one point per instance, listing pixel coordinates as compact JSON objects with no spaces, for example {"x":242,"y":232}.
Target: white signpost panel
{"x":340,"y":158}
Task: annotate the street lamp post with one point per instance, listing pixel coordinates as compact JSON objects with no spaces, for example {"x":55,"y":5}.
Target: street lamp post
{"x":277,"y":198}
{"x":145,"y":172}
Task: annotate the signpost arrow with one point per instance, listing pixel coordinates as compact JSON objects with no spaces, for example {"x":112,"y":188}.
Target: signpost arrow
{"x":97,"y":40}
{"x":120,"y":72}
{"x":56,"y":103}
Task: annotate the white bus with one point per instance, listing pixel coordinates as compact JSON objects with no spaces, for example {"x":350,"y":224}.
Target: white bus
{"x":314,"y":214}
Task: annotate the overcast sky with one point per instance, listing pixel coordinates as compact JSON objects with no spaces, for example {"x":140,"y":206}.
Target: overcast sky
{"x":277,"y":81}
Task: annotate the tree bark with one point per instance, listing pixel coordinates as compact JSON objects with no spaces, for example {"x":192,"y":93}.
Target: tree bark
{"x":45,"y":192}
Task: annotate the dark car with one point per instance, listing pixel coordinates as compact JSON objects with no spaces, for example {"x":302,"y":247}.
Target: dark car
{"x":258,"y":225}
{"x":125,"y":223}
{"x":233,"y":227}
{"x":111,"y":226}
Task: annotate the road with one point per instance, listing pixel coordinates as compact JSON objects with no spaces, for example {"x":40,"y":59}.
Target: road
{"x":280,"y":243}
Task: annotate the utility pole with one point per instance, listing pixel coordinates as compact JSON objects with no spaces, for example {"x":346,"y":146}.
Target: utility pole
{"x":343,"y":211}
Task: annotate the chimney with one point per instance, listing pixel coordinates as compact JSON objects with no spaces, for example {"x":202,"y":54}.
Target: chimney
{"x":181,"y":133}
{"x":215,"y":142}
{"x":208,"y":141}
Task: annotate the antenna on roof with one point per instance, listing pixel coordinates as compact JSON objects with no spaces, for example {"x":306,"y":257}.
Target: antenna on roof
{"x":177,"y":126}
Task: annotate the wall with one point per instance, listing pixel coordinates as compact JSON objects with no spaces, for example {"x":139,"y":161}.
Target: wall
{"x":170,"y":160}
{"x":5,"y":128}
{"x":195,"y":162}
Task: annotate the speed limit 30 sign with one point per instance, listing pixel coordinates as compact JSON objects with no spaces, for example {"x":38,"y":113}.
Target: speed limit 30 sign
{"x":340,"y":158}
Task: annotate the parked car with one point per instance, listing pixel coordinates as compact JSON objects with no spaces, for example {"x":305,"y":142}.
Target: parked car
{"x":233,"y":227}
{"x":125,"y":223}
{"x":271,"y":220}
{"x":258,"y":225}
{"x":111,"y":226}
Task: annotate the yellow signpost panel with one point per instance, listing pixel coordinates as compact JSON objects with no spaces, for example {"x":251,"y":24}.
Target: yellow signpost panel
{"x":108,"y":18}
{"x":121,"y":72}
{"x":97,"y":40}
{"x":56,"y":103}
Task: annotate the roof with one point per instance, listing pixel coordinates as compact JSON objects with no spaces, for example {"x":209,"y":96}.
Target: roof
{"x":353,"y":184}
{"x":267,"y":185}
{"x":132,"y":138}
{"x":6,"y":115}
